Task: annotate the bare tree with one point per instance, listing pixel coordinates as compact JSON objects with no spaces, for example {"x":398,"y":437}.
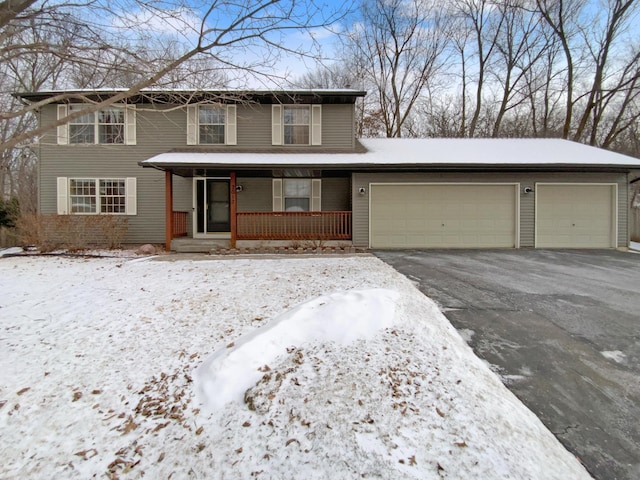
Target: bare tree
{"x":484,"y":23}
{"x":242,"y":36}
{"x":132,"y":45}
{"x":603,"y":89}
{"x":627,"y":96}
{"x":399,"y":46}
{"x":563,"y":17}
{"x":520,"y":46}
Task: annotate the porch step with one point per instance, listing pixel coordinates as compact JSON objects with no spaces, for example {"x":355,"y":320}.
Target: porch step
{"x":190,"y":245}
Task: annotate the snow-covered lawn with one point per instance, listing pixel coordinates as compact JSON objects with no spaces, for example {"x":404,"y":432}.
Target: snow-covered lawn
{"x":99,"y":376}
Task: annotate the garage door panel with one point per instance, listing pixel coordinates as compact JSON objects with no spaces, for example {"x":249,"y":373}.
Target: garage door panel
{"x":575,"y":216}
{"x":443,"y":216}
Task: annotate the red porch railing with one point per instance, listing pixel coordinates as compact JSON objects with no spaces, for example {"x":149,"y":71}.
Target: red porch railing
{"x":179,"y":224}
{"x":294,"y":225}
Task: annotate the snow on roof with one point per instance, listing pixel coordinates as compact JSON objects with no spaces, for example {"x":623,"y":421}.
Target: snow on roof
{"x":418,"y":152}
{"x":165,"y":91}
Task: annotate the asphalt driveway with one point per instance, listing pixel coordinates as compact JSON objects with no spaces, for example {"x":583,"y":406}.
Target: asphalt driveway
{"x":561,"y":328}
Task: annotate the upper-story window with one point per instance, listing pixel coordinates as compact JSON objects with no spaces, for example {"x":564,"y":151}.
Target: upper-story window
{"x":103,"y":126}
{"x":296,"y":124}
{"x":211,"y":122}
{"x":113,"y":125}
{"x":211,"y":125}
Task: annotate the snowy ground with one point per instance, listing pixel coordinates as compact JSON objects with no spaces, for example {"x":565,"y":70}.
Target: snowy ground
{"x":99,"y":369}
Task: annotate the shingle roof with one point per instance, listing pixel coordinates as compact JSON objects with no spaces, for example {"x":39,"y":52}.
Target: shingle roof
{"x":405,"y":153}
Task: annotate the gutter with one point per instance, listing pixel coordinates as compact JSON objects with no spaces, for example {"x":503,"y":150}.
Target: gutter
{"x":370,"y":167}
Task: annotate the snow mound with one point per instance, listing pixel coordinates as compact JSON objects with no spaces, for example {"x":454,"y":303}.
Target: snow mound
{"x":341,"y":317}
{"x":615,"y":355}
{"x":10,"y":251}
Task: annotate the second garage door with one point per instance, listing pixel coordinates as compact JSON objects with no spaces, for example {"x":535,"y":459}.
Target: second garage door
{"x":443,"y":215}
{"x":575,"y":215}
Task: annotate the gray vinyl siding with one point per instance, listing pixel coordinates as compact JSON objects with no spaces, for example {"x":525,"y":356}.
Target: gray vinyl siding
{"x":254,"y":126}
{"x":182,"y":193}
{"x":338,"y":126}
{"x":336,"y":194}
{"x":160,"y":130}
{"x":256,"y":195}
{"x":527,"y":201}
{"x":156,"y":133}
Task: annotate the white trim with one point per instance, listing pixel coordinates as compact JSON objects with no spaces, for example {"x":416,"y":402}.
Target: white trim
{"x":64,"y":196}
{"x":128,"y":126}
{"x":130,"y":191}
{"x":276,"y":125}
{"x":277,"y":194}
{"x":62,"y":186}
{"x":192,"y":124}
{"x":130,"y":135}
{"x":315,"y":205}
{"x":316,"y":125}
{"x":516,"y":186}
{"x":194,"y":216}
{"x":230,"y":124}
{"x":62,"y":130}
{"x":230,"y":128}
{"x":614,"y":206}
{"x":194,"y":207}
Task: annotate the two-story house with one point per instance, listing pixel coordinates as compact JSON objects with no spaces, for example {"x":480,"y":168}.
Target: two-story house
{"x":224,"y":167}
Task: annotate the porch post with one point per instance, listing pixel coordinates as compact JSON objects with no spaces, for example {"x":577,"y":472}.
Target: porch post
{"x":168,"y":202}
{"x":233,"y":208}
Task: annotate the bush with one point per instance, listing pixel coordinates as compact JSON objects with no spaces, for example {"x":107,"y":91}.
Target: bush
{"x":30,"y":229}
{"x":72,"y":232}
{"x":9,"y":212}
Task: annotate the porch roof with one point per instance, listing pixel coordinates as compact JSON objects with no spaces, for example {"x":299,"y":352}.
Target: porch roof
{"x":390,"y":154}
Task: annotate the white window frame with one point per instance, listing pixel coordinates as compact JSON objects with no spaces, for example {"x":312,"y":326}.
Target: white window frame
{"x":193,"y":124}
{"x":278,"y":125}
{"x":294,"y":125}
{"x":129,"y":126}
{"x":64,"y":197}
{"x":307,"y":184}
{"x":315,"y":198}
{"x":220,"y":110}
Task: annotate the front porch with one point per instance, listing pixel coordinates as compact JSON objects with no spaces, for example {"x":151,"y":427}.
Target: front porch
{"x":217,"y":221}
{"x":295,"y":230}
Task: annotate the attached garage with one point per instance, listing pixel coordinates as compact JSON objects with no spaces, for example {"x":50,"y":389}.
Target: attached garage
{"x":576,"y":215}
{"x":443,"y":215}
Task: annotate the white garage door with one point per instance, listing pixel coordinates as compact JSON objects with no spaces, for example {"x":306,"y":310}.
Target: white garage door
{"x":443,"y":215}
{"x":576,"y":216}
